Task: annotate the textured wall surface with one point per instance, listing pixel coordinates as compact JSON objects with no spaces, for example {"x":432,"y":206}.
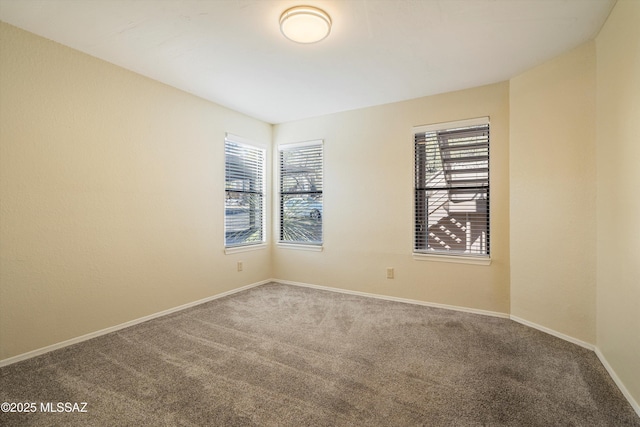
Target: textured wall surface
{"x":553,"y":194}
{"x":111,"y":195}
{"x":112,"y":192}
{"x":618,"y":148}
{"x":368,"y":197}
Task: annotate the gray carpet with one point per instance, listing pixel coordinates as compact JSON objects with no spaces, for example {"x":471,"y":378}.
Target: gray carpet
{"x":279,"y":355}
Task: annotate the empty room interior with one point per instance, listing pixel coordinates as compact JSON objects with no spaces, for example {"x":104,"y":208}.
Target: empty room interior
{"x":204,"y":221}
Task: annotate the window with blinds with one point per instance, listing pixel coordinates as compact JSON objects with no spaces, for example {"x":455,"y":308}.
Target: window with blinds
{"x":452,"y":188}
{"x":244,"y":193}
{"x":300,"y":171}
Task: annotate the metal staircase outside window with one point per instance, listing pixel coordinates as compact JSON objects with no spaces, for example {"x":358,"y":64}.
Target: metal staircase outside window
{"x":452,"y":188}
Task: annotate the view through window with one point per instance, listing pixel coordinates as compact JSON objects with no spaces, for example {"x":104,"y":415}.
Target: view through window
{"x":301,"y":210}
{"x":452,"y":188}
{"x":244,"y":193}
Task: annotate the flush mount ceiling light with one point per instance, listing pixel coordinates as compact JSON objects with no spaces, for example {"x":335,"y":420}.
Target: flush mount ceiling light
{"x":305,"y":24}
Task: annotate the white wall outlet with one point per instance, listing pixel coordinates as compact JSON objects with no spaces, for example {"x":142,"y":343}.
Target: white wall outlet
{"x":240,"y":265}
{"x":389,"y":272}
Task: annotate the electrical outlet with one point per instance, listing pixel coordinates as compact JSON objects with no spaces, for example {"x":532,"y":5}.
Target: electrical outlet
{"x":240,"y":265}
{"x":389,"y":272}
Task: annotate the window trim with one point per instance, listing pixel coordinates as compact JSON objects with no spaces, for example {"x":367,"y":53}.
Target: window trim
{"x":301,"y":246}
{"x":446,"y":125}
{"x":458,"y":259}
{"x":246,"y":246}
{"x":229,"y":250}
{"x":285,"y":244}
{"x":473,"y":259}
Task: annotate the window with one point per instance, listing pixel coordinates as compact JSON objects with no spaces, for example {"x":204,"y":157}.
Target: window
{"x":244,"y":193}
{"x":452,"y":188}
{"x":301,"y":193}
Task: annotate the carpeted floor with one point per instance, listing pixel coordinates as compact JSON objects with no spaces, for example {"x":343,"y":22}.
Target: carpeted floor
{"x":279,"y":355}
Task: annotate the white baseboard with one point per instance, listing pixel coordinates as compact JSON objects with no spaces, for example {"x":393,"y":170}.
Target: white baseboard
{"x":603,"y":360}
{"x":616,"y":379}
{"x":595,"y":349}
{"x":396,"y":299}
{"x":39,"y":351}
{"x":533,"y":325}
{"x":554,"y":333}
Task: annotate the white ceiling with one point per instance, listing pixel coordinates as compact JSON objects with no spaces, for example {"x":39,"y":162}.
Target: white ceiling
{"x":379,"y":51}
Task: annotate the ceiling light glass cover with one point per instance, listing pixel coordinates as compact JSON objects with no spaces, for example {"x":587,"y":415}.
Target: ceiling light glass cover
{"x":305,"y":24}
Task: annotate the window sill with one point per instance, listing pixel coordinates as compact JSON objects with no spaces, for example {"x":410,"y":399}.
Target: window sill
{"x":301,"y":247}
{"x":473,"y":260}
{"x":245,"y":248}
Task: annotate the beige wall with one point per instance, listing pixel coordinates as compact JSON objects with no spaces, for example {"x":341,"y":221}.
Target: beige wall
{"x":553,"y":194}
{"x":368,"y":203}
{"x":111,"y":195}
{"x":618,"y":210}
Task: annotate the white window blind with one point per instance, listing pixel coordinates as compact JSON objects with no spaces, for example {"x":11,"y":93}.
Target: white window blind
{"x":301,"y":211}
{"x":244,"y":193}
{"x":452,"y":188}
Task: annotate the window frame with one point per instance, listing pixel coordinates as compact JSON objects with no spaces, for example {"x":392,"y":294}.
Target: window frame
{"x":315,"y":245}
{"x":423,"y":253}
{"x":262,"y":192}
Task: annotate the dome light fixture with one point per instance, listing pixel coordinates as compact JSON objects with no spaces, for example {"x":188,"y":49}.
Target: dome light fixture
{"x":305,"y":24}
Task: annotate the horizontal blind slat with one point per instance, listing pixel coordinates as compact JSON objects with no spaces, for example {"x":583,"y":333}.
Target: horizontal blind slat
{"x":301,"y":179}
{"x":244,"y":194}
{"x":452,"y":191}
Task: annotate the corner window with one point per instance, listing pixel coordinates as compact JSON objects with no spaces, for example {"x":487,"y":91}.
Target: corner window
{"x":452,"y":189}
{"x":301,"y":209}
{"x":244,"y":193}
